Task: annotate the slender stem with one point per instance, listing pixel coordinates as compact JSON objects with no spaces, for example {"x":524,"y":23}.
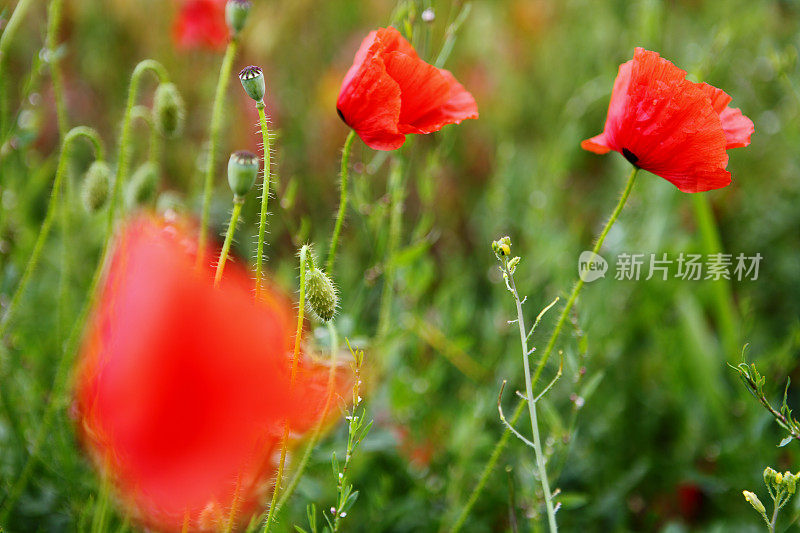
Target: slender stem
{"x":343,"y":175}
{"x":123,"y":165}
{"x":488,"y":469}
{"x":503,"y":442}
{"x":238,"y":202}
{"x":397,"y":195}
{"x":51,"y":44}
{"x":20,"y":10}
{"x":304,"y":252}
{"x":579,"y":284}
{"x":216,"y":127}
{"x":537,"y":443}
{"x":314,"y":440}
{"x":721,"y":288}
{"x":265,"y":187}
{"x":774,"y":520}
{"x":52,"y":206}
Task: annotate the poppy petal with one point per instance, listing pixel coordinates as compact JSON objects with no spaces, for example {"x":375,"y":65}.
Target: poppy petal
{"x":738,"y":128}
{"x":370,"y":104}
{"x":460,"y":105}
{"x":422,"y":87}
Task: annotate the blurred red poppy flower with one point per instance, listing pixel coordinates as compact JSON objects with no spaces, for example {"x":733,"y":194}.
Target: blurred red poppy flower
{"x":390,"y":92}
{"x":664,"y":123}
{"x":182,"y":389}
{"x":201,"y":24}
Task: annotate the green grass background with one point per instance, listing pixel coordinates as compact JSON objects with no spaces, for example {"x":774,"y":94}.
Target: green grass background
{"x":665,"y":412}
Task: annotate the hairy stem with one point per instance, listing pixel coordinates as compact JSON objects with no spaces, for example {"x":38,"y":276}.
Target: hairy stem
{"x":314,"y":440}
{"x":304,"y":252}
{"x":579,"y":284}
{"x":503,"y":442}
{"x":238,"y":202}
{"x":265,"y":187}
{"x":213,"y":143}
{"x":343,"y":176}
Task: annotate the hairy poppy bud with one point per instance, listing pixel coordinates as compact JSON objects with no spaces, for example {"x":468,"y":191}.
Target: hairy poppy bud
{"x":321,"y":294}
{"x":94,"y":191}
{"x":252,"y":79}
{"x":236,"y":12}
{"x":143,"y":185}
{"x":242,"y":172}
{"x":168,"y":110}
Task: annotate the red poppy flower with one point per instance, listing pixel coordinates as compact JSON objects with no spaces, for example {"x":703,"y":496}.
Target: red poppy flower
{"x":201,"y":24}
{"x":664,"y":123}
{"x":183,"y":389}
{"x":390,"y":92}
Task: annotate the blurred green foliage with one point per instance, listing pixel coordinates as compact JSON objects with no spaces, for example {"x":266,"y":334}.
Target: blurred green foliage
{"x":667,"y":438}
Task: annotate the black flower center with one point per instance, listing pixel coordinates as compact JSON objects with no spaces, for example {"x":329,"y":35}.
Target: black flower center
{"x":630,"y":156}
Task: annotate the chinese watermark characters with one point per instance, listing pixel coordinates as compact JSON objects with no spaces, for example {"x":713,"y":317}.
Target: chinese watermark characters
{"x":663,"y":266}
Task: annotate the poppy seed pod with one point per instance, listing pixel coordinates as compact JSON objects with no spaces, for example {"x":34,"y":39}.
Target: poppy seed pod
{"x":252,"y":79}
{"x":242,"y":172}
{"x":236,"y":12}
{"x":168,"y":110}
{"x":94,"y":190}
{"x":143,"y":185}
{"x":321,"y":293}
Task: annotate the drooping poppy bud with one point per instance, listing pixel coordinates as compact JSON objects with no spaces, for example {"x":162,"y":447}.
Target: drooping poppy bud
{"x":236,"y":12}
{"x":169,"y":110}
{"x":242,"y":172}
{"x":321,"y":294}
{"x":252,"y":79}
{"x":143,"y":185}
{"x":96,"y":183}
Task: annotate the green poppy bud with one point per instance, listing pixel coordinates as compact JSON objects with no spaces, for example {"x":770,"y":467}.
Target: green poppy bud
{"x":236,"y":12}
{"x":143,"y":185}
{"x":252,"y":79}
{"x":321,"y":295}
{"x":168,"y":110}
{"x":242,"y":172}
{"x":96,"y":183}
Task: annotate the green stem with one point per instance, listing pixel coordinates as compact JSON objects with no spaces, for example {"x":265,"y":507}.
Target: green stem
{"x":396,"y":197}
{"x":123,"y":165}
{"x":9,"y":32}
{"x":721,"y":288}
{"x":51,"y":44}
{"x":579,"y":284}
{"x":537,"y":443}
{"x":343,"y":175}
{"x":488,"y":469}
{"x":265,"y":187}
{"x":304,"y":253}
{"x":503,"y":442}
{"x":216,"y":127}
{"x":314,"y":440}
{"x":238,"y":202}
{"x":44,"y":230}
